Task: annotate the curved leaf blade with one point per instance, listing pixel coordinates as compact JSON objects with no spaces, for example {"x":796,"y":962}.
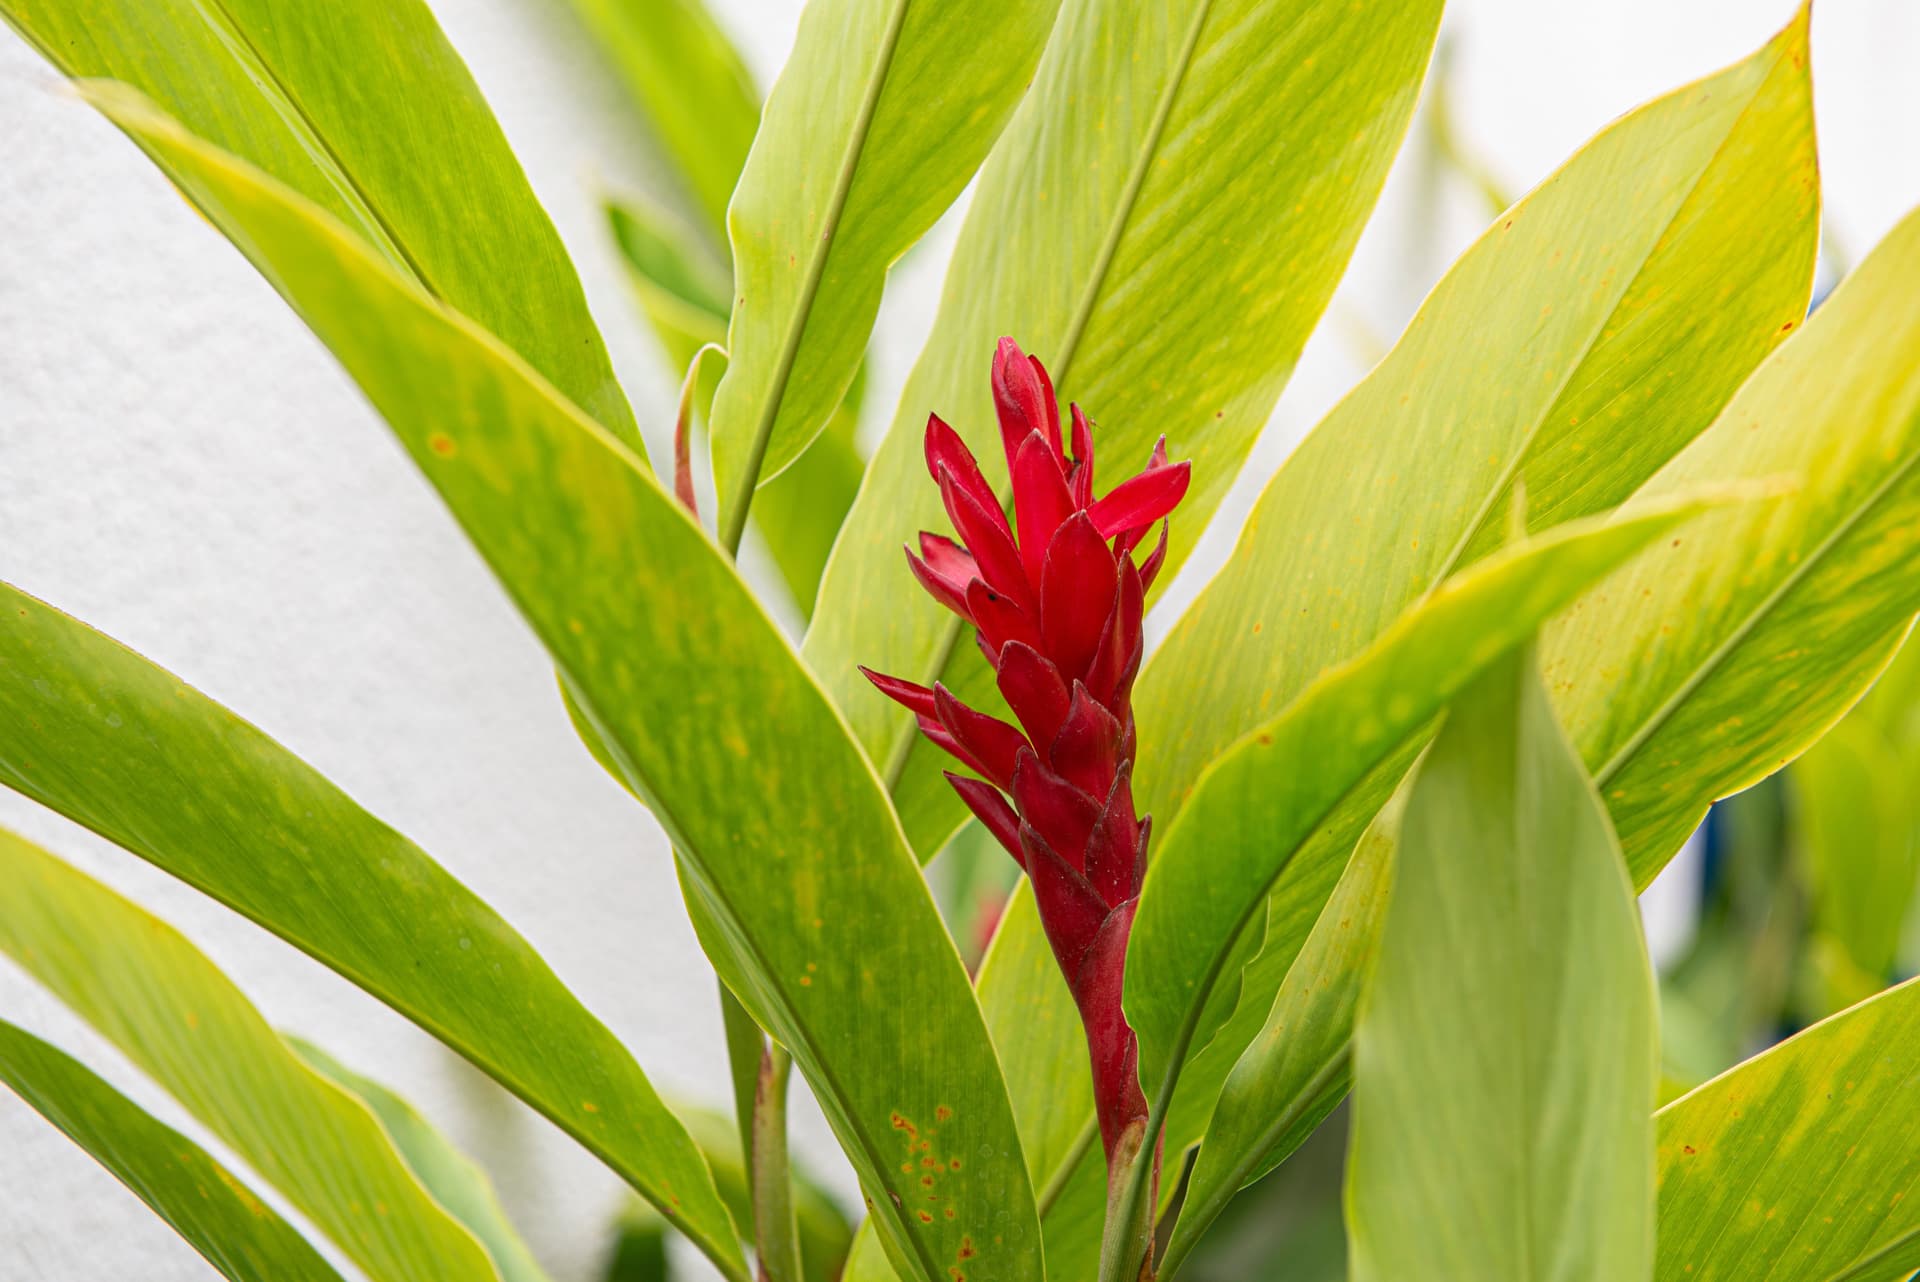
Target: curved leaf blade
{"x":1298,"y":1068}
{"x":1706,"y":665}
{"x":1259,"y":804}
{"x":202,"y":1201}
{"x":1506,"y":1054}
{"x":1799,"y":1165}
{"x":453,"y":1179}
{"x":92,"y":730}
{"x":830,"y":935}
{"x":881,"y":116}
{"x":1125,"y":232}
{"x":150,"y":992}
{"x":364,"y":108}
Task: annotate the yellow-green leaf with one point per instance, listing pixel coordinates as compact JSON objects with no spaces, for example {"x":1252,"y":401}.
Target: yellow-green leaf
{"x":202,"y":1201}
{"x":97,"y":733}
{"x":883,"y":112}
{"x":364,"y":108}
{"x":151,"y":993}
{"x":1505,"y":1055}
{"x":822,"y":922}
{"x":1799,"y":1165}
{"x":1711,"y":661}
{"x":454,"y":1180}
{"x":1162,"y":225}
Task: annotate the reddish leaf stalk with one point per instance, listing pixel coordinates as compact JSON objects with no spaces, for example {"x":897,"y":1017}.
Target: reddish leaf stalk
{"x":1056,"y":600}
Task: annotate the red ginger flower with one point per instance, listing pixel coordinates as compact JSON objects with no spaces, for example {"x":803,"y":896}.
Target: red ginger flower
{"x":1056,"y":600}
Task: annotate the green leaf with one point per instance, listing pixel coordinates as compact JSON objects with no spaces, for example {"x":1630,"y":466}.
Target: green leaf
{"x":126,"y":748}
{"x":881,"y":116}
{"x":170,"y":1010}
{"x":825,"y":1234}
{"x":822,"y":923}
{"x":1799,"y":1165}
{"x":639,"y":1247}
{"x":1297,"y":1069}
{"x":1859,"y":829}
{"x":1711,"y":661}
{"x":202,"y":1201}
{"x":683,"y":294}
{"x":364,"y":108}
{"x":1162,"y":225}
{"x":691,"y":84}
{"x":453,"y":1179}
{"x":1506,"y":1053}
{"x":1259,"y":804}
{"x":1392,"y":490}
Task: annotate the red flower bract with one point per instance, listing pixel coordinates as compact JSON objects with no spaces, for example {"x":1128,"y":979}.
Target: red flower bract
{"x":1056,"y":599}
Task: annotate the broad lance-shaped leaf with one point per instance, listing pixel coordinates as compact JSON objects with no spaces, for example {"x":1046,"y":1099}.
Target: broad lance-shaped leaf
{"x":1709,"y":663}
{"x":1162,"y":225}
{"x":1296,"y":1071}
{"x":1512,"y":347}
{"x":156,"y":997}
{"x":1258,"y":805}
{"x":1506,"y":1053}
{"x":202,"y":1201}
{"x":693,"y":87}
{"x":453,"y":1179}
{"x":364,"y":108}
{"x":126,"y":748}
{"x":883,"y":112}
{"x":1799,"y":1165}
{"x":689,"y":684}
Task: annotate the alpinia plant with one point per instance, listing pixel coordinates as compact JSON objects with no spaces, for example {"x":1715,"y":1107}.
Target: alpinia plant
{"x":1615,"y":530}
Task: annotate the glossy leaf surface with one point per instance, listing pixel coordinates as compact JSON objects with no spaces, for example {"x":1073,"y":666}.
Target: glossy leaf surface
{"x":1800,"y":1165}
{"x":156,"y":997}
{"x":202,"y":1201}
{"x":1506,"y":1053}
{"x":822,"y":922}
{"x":881,"y":115}
{"x":364,"y":108}
{"x":97,"y":733}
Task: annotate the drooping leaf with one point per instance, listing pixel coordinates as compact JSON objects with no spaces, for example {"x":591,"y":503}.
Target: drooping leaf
{"x":1258,"y":805}
{"x":1506,"y":1054}
{"x":156,"y":997}
{"x":1162,"y":225}
{"x":1708,"y":663}
{"x":881,"y":116}
{"x":823,"y":924}
{"x":1298,"y":1068}
{"x":692,"y":86}
{"x":126,"y":748}
{"x":364,"y":108}
{"x":1394,"y":488}
{"x":206,"y":1204}
{"x":1799,"y":1165}
{"x":453,"y":1179}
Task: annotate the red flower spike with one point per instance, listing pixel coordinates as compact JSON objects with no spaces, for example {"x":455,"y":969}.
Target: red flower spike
{"x":916,"y":699}
{"x":998,"y":619}
{"x":986,"y":743}
{"x":990,"y":807}
{"x":988,"y":538}
{"x":1040,"y":502}
{"x":1058,"y":613}
{"x":1076,"y":595}
{"x":946,"y":450}
{"x":1083,"y":460}
{"x":1033,"y":689}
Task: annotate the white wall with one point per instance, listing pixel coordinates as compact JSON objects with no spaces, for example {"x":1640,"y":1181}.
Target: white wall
{"x":183,"y":466}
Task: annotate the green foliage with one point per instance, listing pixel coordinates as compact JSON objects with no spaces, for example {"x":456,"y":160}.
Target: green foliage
{"x":1379,"y":861}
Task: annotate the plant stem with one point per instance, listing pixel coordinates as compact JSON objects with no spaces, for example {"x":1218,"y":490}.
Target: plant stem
{"x":1133,"y":1170}
{"x":776,"y":1231}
